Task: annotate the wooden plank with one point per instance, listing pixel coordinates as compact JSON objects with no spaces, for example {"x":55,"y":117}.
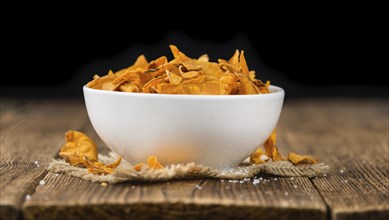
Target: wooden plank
{"x":352,"y":137}
{"x":31,"y":134}
{"x":71,"y":198}
{"x":66,"y":197}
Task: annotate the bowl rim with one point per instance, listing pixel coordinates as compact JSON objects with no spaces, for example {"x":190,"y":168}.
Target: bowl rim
{"x":276,"y":91}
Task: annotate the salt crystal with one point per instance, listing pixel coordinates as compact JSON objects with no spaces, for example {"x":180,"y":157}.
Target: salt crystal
{"x":132,"y":187}
{"x":57,"y":174}
{"x":275,"y":179}
{"x":292,"y":178}
{"x":255,"y":181}
{"x":198,"y":187}
{"x":104,"y":184}
{"x":28,"y":197}
{"x":325,"y":174}
{"x":363,"y":161}
{"x":37,"y":165}
{"x":221,"y":180}
{"x":227,"y":187}
{"x":36,"y":162}
{"x":42,"y":182}
{"x":341,"y":171}
{"x":241,"y":181}
{"x":295,"y":186}
{"x":246,"y":179}
{"x":260,"y":178}
{"x":345,"y":181}
{"x":233,"y":181}
{"x":264,"y":157}
{"x":286,"y":193}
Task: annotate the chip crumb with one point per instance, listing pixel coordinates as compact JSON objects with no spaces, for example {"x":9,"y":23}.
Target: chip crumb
{"x":28,"y":197}
{"x":104,"y":184}
{"x":42,"y":182}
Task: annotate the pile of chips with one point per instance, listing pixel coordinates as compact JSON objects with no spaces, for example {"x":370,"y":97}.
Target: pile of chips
{"x":184,"y":75}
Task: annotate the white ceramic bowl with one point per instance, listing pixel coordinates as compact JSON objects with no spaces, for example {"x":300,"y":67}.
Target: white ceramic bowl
{"x":216,"y":131}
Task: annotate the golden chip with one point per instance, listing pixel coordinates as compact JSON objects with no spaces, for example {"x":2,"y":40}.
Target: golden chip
{"x":299,"y":159}
{"x":184,"y":75}
{"x":78,"y":145}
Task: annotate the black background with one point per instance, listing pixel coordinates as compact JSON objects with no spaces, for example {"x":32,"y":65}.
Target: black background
{"x":315,"y":54}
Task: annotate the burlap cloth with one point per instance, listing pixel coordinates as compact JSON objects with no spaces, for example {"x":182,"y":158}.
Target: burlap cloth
{"x":125,"y":172}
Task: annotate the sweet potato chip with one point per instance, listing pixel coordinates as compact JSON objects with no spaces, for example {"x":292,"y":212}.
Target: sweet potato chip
{"x":99,"y":168}
{"x":271,"y":147}
{"x":258,"y":157}
{"x":184,"y":75}
{"x":78,"y":145}
{"x":80,"y":150}
{"x":152,"y":163}
{"x":299,"y":159}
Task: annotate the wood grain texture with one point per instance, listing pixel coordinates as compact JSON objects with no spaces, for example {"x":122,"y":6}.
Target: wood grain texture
{"x":352,"y":137}
{"x":349,"y":135}
{"x":274,"y":197}
{"x":31,"y":134}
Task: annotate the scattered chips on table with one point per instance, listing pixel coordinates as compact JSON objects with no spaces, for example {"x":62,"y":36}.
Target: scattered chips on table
{"x":184,"y":75}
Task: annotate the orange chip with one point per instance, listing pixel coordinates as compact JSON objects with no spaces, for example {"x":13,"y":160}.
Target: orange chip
{"x":271,"y":147}
{"x":77,"y":146}
{"x":258,"y":157}
{"x":184,"y":75}
{"x":299,"y":159}
{"x":79,"y":149}
{"x":152,"y":163}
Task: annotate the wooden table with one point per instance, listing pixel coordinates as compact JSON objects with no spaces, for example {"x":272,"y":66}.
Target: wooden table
{"x":349,"y":135}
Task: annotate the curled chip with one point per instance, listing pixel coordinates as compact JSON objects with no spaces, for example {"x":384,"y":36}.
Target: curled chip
{"x":184,"y":75}
{"x":271,"y":147}
{"x":100,"y":168}
{"x":77,"y":145}
{"x":298,"y":159}
{"x":80,"y":150}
